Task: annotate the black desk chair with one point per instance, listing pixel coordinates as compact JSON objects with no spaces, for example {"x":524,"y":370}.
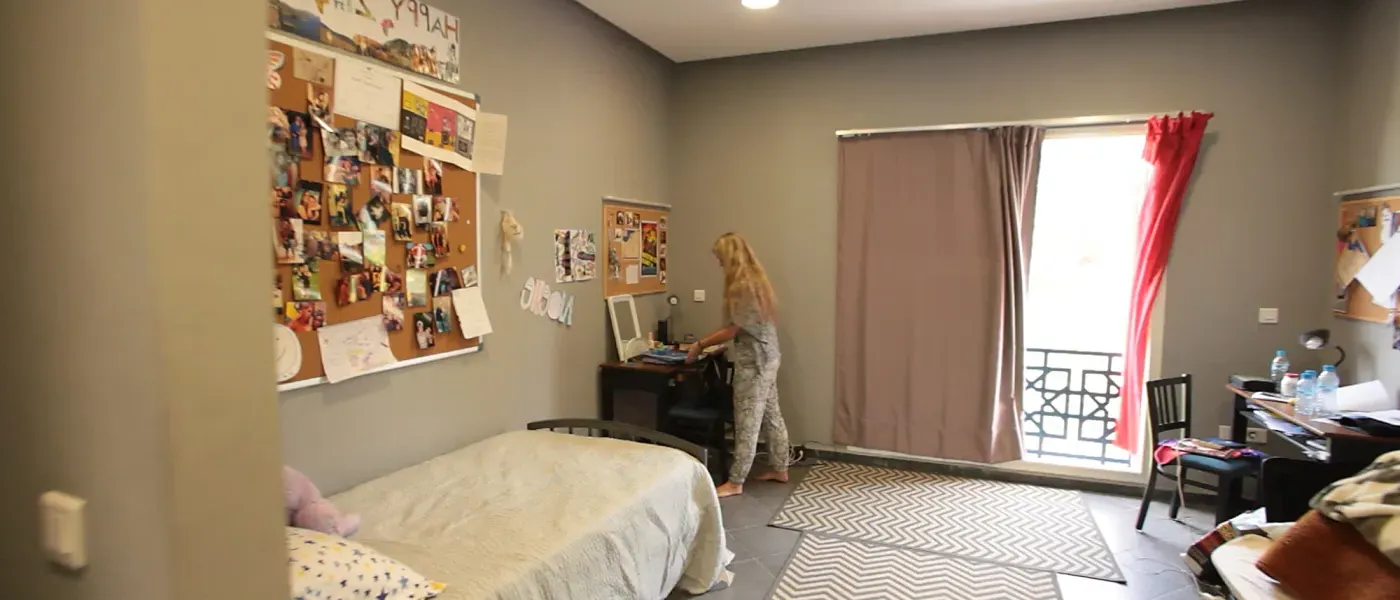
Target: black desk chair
{"x":1169,"y":409}
{"x":701,"y":418}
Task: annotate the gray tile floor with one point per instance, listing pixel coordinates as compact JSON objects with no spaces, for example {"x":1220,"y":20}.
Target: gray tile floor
{"x":1149,"y":559}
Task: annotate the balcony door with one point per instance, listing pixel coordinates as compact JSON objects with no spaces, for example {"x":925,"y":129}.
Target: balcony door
{"x":1091,"y":187}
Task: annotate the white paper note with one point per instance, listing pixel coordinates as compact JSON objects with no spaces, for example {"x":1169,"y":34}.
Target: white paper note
{"x":471,"y":312}
{"x":1390,"y":417}
{"x":489,"y":146}
{"x":1381,"y":274}
{"x":438,"y":117}
{"x":633,"y":274}
{"x":352,"y":349}
{"x":1364,"y":397}
{"x":367,"y":93}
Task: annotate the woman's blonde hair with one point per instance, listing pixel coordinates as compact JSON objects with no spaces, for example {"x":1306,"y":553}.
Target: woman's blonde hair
{"x":744,"y":277}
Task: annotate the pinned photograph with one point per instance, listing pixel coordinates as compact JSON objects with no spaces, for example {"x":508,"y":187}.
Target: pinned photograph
{"x":364,"y":286}
{"x":376,"y":247}
{"x":442,"y":127}
{"x":432,"y":176}
{"x":469,"y":276}
{"x":380,"y":175}
{"x":365,"y":220}
{"x":308,"y":202}
{"x":661,"y":222}
{"x":443,"y":209}
{"x":286,"y":170}
{"x":621,"y":219}
{"x":299,"y":134}
{"x":310,"y":66}
{"x":466,"y":135}
{"x":378,"y":209}
{"x":319,"y":246}
{"x":341,"y":141}
{"x":423,"y":330}
{"x":343,"y":170}
{"x":287,"y":242}
{"x":304,"y":316}
{"x":416,"y":255}
{"x":390,"y":282}
{"x":279,"y":129}
{"x":437,"y":236}
{"x":393,"y":312}
{"x":318,"y":104}
{"x":352,"y":260}
{"x":284,"y":203}
{"x":422,"y":210}
{"x":408,"y":181}
{"x":617,"y":234}
{"x":306,"y":281}
{"x":413,"y":116}
{"x":442,"y":314}
{"x":445,"y":281}
{"x":277,"y":293}
{"x":345,"y":289}
{"x":374,"y":144}
{"x":401,"y":221}
{"x":374,"y":274}
{"x":416,"y":286}
{"x":342,"y":211}
{"x":394,"y":146}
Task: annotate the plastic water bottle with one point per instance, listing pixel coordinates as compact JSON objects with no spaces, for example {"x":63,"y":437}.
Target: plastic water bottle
{"x":1307,"y":394}
{"x":1327,"y":384}
{"x":1279,"y":367}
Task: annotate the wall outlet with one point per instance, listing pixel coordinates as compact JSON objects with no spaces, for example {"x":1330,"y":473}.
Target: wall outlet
{"x":699,"y":296}
{"x":1256,"y":435}
{"x":1268,"y":316}
{"x":1224,"y":432}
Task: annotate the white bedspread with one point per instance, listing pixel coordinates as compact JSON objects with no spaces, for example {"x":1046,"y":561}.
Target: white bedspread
{"x":534,"y":514}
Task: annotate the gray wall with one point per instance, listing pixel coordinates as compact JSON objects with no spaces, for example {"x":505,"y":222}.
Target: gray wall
{"x":136,"y":324}
{"x":753,"y":151}
{"x":588,"y":118}
{"x":1368,"y":154}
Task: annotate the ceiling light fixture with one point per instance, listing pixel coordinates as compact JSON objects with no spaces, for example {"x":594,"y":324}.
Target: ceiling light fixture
{"x":759,"y":4}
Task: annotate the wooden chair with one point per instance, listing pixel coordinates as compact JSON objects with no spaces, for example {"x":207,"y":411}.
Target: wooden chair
{"x":1169,"y":409}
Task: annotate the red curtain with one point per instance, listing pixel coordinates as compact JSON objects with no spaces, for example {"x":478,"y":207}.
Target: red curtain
{"x":1172,"y":147}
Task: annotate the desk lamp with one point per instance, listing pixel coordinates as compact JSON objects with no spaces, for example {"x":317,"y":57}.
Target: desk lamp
{"x":1318,"y":339}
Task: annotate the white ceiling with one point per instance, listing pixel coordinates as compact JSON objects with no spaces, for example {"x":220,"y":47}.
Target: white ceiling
{"x":687,"y":30}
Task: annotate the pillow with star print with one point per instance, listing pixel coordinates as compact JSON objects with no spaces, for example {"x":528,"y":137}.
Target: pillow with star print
{"x":326,"y":567}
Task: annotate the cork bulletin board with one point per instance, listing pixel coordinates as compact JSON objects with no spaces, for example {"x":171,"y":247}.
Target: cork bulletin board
{"x":636,"y":236}
{"x":1361,"y":218}
{"x":461,"y":249}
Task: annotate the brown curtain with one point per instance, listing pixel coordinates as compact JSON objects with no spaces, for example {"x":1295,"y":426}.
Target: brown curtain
{"x":933,"y":247}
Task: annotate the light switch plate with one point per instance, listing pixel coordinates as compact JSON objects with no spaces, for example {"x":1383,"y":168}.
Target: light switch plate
{"x":62,"y":529}
{"x":1268,"y":316}
{"x":699,"y":295}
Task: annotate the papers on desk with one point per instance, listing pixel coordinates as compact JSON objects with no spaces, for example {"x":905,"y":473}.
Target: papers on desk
{"x":1365,"y":397}
{"x":1389,"y":417}
{"x":1278,"y":425}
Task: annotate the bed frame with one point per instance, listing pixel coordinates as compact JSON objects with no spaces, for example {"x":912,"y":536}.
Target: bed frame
{"x":621,"y":431}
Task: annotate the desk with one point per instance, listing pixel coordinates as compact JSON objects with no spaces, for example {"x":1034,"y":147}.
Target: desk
{"x":1344,"y":446}
{"x":642,"y":393}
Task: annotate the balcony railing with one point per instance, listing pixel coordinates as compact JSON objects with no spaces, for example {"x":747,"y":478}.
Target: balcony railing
{"x":1071,"y":404}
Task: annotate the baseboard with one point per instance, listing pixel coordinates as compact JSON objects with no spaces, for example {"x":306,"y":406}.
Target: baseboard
{"x":995,"y":474}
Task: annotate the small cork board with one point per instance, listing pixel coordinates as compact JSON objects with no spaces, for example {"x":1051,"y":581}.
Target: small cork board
{"x":1361,"y":219}
{"x":636,"y":241}
{"x":461,"y":234}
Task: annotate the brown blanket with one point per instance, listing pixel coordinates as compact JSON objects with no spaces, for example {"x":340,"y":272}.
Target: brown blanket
{"x":1321,"y":559}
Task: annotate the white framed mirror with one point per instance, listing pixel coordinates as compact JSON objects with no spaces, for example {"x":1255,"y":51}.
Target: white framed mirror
{"x":627,"y":333}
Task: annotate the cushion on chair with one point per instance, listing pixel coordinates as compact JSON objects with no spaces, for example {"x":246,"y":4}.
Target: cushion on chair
{"x":1234,"y":468}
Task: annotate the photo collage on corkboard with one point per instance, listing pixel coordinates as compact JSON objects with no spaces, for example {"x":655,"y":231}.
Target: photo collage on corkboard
{"x":361,"y":228}
{"x":635,"y":237}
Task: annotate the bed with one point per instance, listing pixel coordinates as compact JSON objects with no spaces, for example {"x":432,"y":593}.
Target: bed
{"x":546,"y":514}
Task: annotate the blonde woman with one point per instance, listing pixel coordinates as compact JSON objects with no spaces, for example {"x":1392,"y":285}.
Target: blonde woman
{"x":750,"y":309}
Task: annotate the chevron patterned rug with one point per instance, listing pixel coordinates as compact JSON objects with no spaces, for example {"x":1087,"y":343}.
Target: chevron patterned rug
{"x":990,"y":521}
{"x":828,"y":568}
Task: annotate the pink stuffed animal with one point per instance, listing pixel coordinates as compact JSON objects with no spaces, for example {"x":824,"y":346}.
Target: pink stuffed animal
{"x":308,"y":510}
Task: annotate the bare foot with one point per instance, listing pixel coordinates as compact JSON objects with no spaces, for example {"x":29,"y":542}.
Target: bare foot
{"x":773,"y":476}
{"x":729,"y":489}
